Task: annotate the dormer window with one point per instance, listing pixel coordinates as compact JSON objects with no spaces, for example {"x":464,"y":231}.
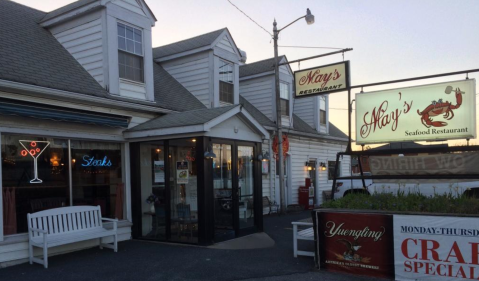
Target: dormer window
{"x":226,"y":82}
{"x":130,"y":53}
{"x":284,"y":98}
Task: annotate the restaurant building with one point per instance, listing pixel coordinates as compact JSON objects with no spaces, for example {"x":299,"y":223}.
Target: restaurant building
{"x":160,"y":138}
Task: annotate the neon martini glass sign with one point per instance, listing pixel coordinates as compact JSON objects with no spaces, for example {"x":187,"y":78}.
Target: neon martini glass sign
{"x":35,"y":149}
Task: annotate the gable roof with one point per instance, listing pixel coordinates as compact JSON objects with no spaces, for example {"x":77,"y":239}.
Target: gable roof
{"x":259,"y":67}
{"x":187,"y":44}
{"x":35,"y":57}
{"x":66,"y":8}
{"x":181,"y":119}
{"x":301,"y":126}
{"x":258,"y":115}
{"x":169,"y":93}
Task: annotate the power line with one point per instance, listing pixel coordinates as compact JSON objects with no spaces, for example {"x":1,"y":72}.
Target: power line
{"x":309,"y":47}
{"x":250,"y":18}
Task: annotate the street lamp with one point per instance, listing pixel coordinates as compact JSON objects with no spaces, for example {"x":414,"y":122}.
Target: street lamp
{"x":309,"y":20}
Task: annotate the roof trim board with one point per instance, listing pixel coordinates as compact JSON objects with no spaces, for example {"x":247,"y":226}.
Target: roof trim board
{"x":54,"y":93}
{"x":201,"y":128}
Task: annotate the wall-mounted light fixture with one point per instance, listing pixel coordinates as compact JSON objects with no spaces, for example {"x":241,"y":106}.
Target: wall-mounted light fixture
{"x":308,"y":167}
{"x":209,"y":153}
{"x":323,"y":166}
{"x":264,"y":156}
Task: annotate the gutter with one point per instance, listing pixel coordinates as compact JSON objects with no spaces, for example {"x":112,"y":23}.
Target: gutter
{"x":316,"y":136}
{"x":54,"y":93}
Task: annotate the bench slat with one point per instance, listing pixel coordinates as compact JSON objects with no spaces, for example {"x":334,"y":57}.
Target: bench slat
{"x":83,"y":220}
{"x":55,"y":224}
{"x":34,"y":225}
{"x":70,"y":223}
{"x":51,"y":230}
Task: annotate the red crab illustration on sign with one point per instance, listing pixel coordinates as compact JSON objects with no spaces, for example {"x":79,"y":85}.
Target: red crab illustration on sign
{"x":439,"y":107}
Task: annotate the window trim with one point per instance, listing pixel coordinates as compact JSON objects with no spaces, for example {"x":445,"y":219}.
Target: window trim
{"x":142,"y":56}
{"x":339,"y":166}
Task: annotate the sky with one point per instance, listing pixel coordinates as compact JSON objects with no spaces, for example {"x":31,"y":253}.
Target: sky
{"x":391,"y":39}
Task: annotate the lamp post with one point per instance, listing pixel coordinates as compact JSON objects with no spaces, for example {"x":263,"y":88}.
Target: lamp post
{"x":309,"y":20}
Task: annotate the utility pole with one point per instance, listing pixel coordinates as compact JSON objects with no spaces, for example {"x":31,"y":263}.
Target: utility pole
{"x":282,"y":202}
{"x":309,"y":20}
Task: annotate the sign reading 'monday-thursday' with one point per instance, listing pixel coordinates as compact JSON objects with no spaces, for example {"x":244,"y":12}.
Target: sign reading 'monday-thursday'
{"x":322,"y":80}
{"x":431,"y":112}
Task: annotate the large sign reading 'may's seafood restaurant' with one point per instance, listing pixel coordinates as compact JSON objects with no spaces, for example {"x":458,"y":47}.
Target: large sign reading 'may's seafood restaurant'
{"x":441,"y":111}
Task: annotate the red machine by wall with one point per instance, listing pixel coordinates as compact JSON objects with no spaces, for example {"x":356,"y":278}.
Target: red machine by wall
{"x":306,"y":195}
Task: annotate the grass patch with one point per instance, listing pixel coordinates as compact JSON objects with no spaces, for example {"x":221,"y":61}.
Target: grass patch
{"x":410,"y":202}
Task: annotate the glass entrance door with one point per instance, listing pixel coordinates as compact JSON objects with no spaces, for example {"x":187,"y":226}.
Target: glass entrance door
{"x":223,"y":192}
{"x":245,"y":164}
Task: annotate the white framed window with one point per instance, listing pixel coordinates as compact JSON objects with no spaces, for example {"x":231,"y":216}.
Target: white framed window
{"x":284,"y":98}
{"x":130,"y":53}
{"x":322,"y":110}
{"x":226,"y":82}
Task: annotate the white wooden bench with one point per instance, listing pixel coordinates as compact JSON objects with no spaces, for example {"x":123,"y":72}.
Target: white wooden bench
{"x":304,"y":234}
{"x":66,"y":225}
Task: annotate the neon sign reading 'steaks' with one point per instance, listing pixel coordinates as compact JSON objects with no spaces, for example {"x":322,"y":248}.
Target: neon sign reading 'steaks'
{"x":92,"y":162}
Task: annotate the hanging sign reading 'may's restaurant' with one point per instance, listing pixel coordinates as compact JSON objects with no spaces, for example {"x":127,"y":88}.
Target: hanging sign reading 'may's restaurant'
{"x":432,"y":112}
{"x":324,"y":79}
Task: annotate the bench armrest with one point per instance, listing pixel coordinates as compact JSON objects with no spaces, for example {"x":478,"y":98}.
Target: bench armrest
{"x":107,"y":219}
{"x":114,"y":221}
{"x":39,"y":230}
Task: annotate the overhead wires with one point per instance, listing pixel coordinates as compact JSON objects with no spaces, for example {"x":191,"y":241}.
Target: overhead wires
{"x":250,"y":18}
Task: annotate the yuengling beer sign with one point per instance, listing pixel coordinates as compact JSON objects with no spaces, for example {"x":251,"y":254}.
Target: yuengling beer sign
{"x":432,"y":112}
{"x":322,"y":80}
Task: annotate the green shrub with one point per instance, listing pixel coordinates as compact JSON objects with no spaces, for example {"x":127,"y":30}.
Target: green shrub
{"x":411,"y":202}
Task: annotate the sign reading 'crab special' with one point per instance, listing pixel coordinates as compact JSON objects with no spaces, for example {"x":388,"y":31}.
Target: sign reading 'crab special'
{"x":358,"y":244}
{"x":432,"y":112}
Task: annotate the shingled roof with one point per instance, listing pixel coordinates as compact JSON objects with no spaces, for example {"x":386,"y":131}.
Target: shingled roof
{"x":188,"y":44}
{"x":181,"y":119}
{"x":31,"y":55}
{"x":258,"y":67}
{"x":66,"y":9}
{"x":170,"y":94}
{"x":301,"y":126}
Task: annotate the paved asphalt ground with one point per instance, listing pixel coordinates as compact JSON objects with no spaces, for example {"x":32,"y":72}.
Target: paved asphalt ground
{"x":138,"y":260}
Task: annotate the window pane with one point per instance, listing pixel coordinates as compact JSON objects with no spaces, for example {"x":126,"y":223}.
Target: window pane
{"x":121,"y":30}
{"x":183,"y":179}
{"x":121,"y":67}
{"x":284,"y":91}
{"x":284,"y":107}
{"x":29,"y":190}
{"x":332,"y":168}
{"x":138,"y":35}
{"x":322,"y":102}
{"x":129,"y":32}
{"x":121,"y":43}
{"x":131,"y":66}
{"x":226,"y":92}
{"x":226,"y":72}
{"x":130,"y":46}
{"x":138,"y":49}
{"x":97,"y":174}
{"x":223,"y":188}
{"x":322,"y":117}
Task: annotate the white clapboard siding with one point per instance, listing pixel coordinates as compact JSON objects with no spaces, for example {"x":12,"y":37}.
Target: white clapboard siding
{"x":84,"y":42}
{"x":15,"y":253}
{"x":131,"y":5}
{"x":132,"y":90}
{"x":226,"y":45}
{"x":304,"y":108}
{"x":303,"y":149}
{"x":284,"y":69}
{"x":259,"y":92}
{"x":194,"y":74}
